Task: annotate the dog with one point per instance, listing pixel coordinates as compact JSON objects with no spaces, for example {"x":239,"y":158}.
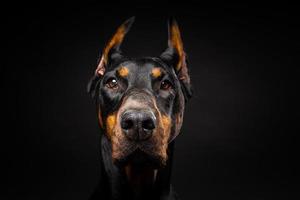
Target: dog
{"x":140,"y":105}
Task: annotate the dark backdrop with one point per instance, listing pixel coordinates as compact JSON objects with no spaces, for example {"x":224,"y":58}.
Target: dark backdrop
{"x":235,"y":141}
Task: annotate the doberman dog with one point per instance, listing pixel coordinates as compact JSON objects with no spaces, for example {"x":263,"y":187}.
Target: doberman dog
{"x":140,"y":105}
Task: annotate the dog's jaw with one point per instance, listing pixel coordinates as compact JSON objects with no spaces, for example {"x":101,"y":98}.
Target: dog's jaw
{"x":133,"y":180}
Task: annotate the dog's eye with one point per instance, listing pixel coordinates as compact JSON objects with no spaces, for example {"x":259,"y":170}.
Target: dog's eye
{"x":112,"y":83}
{"x":166,"y":85}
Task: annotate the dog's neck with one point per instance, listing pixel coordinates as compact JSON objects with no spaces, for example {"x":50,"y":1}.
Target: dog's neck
{"x":132,"y":182}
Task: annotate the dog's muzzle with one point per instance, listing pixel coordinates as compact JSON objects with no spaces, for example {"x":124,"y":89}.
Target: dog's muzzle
{"x":140,"y":128}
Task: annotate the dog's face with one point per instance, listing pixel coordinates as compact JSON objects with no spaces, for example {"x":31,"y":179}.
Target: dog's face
{"x":140,"y":102}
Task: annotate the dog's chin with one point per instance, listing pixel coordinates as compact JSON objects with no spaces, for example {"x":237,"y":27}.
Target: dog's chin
{"x":140,"y":159}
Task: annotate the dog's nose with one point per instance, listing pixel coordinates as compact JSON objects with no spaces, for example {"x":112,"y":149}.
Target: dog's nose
{"x":138,"y":125}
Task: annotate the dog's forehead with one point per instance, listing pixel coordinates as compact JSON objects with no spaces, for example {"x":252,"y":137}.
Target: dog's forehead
{"x":142,"y":66}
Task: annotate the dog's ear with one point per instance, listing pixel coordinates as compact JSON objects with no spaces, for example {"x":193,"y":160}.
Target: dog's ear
{"x":110,"y":53}
{"x":175,"y":56}
{"x":112,"y":48}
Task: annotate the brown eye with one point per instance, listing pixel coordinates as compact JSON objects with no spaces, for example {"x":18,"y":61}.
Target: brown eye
{"x":112,"y":83}
{"x":165,"y":85}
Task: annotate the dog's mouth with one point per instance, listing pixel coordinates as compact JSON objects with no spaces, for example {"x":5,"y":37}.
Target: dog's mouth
{"x":140,"y":169}
{"x":140,"y":159}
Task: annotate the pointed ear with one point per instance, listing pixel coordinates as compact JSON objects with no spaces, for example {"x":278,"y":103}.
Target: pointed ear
{"x":112,"y":48}
{"x":110,"y":52}
{"x":175,"y":56}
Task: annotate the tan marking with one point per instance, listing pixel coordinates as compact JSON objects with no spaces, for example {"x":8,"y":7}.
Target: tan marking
{"x":166,"y":131}
{"x":123,"y":71}
{"x":110,"y":124}
{"x":176,"y":42}
{"x":115,"y":41}
{"x":156,"y":72}
{"x":166,"y":122}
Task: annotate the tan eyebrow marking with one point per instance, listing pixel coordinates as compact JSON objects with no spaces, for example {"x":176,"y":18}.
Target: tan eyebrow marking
{"x":123,"y":71}
{"x":156,"y":72}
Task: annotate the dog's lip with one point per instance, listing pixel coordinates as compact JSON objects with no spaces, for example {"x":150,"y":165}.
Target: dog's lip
{"x":140,"y":158}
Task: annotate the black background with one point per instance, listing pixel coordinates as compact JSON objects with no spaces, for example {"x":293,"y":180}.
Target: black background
{"x":235,"y":143}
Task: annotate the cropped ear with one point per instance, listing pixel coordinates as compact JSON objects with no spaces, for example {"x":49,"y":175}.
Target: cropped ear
{"x":112,"y":48}
{"x":110,"y":53}
{"x":175,"y":56}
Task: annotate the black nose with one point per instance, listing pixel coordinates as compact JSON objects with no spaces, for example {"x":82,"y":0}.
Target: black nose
{"x":138,"y":125}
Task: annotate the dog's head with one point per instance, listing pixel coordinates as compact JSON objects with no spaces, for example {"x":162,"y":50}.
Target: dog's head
{"x":140,"y":102}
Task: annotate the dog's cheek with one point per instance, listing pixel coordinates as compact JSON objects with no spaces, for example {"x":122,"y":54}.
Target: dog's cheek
{"x":178,"y":123}
{"x":117,"y":151}
{"x":177,"y":116}
{"x":116,"y":137}
{"x":166,"y":126}
{"x":110,"y":99}
{"x":166,"y":122}
{"x":110,"y":124}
